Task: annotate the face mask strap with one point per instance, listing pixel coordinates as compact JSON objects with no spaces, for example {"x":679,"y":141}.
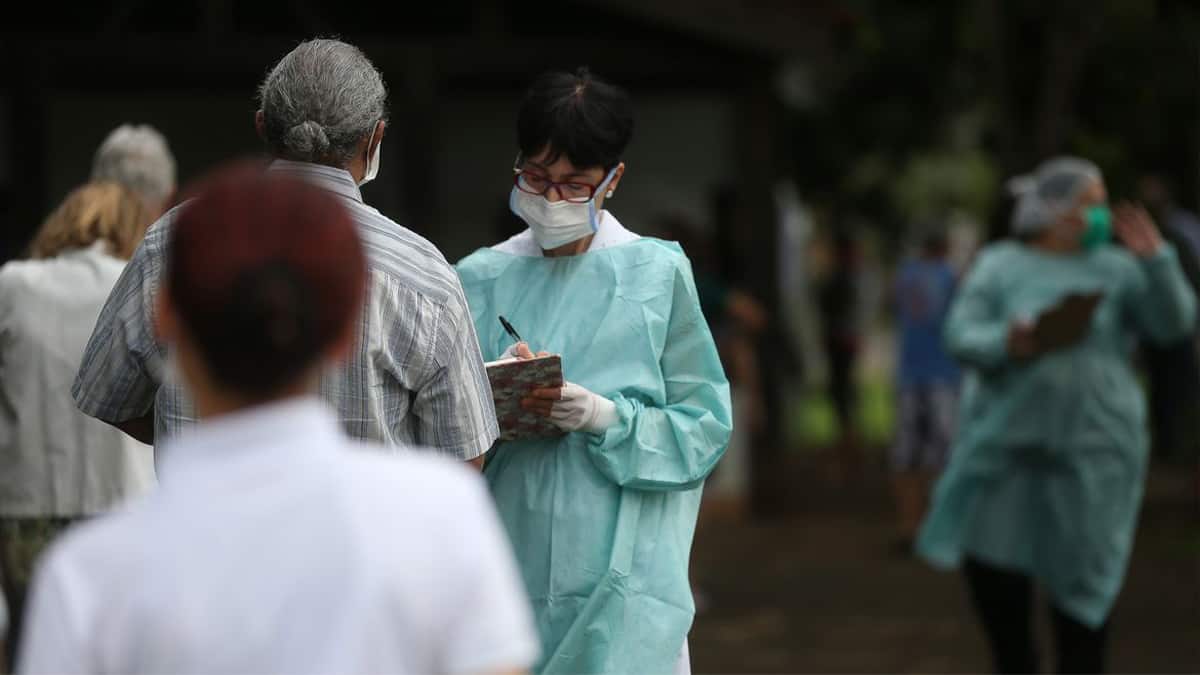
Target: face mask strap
{"x":367,"y":177}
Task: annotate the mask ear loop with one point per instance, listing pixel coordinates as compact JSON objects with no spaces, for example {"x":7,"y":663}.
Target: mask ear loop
{"x":593,"y":220}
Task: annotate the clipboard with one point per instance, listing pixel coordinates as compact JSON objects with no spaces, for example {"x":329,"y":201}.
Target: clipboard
{"x":513,"y":379}
{"x":1066,"y":323}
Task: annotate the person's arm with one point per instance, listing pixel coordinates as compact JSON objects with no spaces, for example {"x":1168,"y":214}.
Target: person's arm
{"x":118,"y":376}
{"x":454,"y":402}
{"x":140,"y":428}
{"x":1160,"y":299}
{"x":673,"y":446}
{"x":746,"y":310}
{"x":977,"y":332}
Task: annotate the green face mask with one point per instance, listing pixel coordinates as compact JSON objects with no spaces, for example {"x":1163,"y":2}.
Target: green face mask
{"x":1097,"y":229}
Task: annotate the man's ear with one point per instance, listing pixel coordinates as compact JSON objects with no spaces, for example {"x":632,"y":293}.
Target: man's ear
{"x":260,"y":125}
{"x":380,"y":130}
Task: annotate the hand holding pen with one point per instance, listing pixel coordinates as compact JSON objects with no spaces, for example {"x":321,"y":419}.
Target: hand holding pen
{"x":521,"y":349}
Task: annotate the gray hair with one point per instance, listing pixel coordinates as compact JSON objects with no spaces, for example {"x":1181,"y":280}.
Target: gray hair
{"x":137,"y":156}
{"x":320,"y":101}
{"x":1047,"y":193}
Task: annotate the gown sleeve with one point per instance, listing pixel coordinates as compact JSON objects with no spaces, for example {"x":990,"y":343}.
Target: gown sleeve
{"x":976,"y":330}
{"x":674,"y":446}
{"x":1160,"y":298}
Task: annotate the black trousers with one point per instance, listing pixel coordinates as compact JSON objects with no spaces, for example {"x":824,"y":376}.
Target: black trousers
{"x":1004,"y":602}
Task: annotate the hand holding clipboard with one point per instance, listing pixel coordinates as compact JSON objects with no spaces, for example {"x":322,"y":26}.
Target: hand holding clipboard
{"x":1063,"y":325}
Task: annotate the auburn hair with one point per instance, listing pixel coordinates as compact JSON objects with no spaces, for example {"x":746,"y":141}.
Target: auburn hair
{"x":266,"y":273}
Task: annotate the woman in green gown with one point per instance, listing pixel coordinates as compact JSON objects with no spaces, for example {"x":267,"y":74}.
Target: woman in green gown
{"x":601,"y":518}
{"x":1045,"y":479}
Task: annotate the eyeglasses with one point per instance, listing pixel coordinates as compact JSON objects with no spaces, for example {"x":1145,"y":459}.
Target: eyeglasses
{"x":537,"y":184}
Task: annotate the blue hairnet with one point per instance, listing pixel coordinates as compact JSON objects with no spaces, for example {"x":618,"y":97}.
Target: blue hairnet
{"x":1043,"y":196}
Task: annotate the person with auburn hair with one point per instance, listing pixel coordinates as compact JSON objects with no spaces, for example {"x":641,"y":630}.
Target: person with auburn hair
{"x":275,"y":543}
{"x":60,"y":465}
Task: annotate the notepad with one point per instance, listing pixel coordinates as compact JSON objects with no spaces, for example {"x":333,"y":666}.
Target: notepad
{"x":1066,"y":323}
{"x":512,"y":380}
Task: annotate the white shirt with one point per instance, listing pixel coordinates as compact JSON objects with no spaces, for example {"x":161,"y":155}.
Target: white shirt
{"x":610,"y":233}
{"x":54,"y":460}
{"x":275,"y":544}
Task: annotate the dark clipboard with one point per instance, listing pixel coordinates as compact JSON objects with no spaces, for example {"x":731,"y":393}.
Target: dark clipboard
{"x":1067,"y":322}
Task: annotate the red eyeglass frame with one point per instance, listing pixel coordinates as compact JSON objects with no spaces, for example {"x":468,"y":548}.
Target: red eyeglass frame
{"x":517,"y":173}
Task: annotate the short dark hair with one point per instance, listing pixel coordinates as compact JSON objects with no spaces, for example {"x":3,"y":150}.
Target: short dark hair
{"x":265,"y":273}
{"x":577,"y":115}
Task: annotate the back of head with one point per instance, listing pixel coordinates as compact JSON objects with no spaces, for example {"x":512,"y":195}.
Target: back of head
{"x":266,"y":274}
{"x":577,"y":115}
{"x":320,"y":101}
{"x":107,"y":212}
{"x":137,"y":156}
{"x":1043,"y":196}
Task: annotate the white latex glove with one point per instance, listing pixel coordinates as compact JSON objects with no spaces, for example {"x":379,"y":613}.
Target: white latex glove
{"x":511,"y":352}
{"x":580,"y":410}
{"x":520,"y":350}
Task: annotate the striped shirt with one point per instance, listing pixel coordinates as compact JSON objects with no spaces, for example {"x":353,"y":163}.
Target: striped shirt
{"x":416,"y":377}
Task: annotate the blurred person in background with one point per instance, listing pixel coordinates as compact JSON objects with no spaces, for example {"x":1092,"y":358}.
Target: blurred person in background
{"x":1173,"y":370}
{"x":414,"y":377}
{"x":840,"y":301}
{"x":1156,"y":192}
{"x":601,"y":518}
{"x":275,"y":543}
{"x":1046,"y":476}
{"x":927,"y":379}
{"x":736,"y":320}
{"x":137,"y":156}
{"x":59,"y":464}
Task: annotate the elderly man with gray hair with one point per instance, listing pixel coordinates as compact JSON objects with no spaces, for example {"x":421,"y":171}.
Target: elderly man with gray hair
{"x":137,"y":156}
{"x":415,"y":376}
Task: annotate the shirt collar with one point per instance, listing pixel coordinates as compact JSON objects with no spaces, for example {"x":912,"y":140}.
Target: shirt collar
{"x":297,"y":425}
{"x":325,"y":177}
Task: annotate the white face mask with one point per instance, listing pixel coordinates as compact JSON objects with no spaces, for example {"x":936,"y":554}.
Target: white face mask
{"x":373,"y":162}
{"x":558,"y":223}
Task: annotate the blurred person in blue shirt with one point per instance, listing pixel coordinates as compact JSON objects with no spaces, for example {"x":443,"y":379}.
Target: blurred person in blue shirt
{"x":927,"y":378}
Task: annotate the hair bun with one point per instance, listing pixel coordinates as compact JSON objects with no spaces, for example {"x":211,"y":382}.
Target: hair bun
{"x":308,"y":138}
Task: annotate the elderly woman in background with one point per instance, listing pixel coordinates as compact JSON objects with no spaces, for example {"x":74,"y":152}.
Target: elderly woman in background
{"x":137,"y":157}
{"x":59,"y":464}
{"x":1045,"y":479}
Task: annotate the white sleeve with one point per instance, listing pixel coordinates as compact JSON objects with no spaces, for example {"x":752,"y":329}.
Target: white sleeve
{"x":50,"y":640}
{"x":490,"y":626}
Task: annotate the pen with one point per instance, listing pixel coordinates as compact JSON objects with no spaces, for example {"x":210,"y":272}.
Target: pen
{"x":510,"y":330}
